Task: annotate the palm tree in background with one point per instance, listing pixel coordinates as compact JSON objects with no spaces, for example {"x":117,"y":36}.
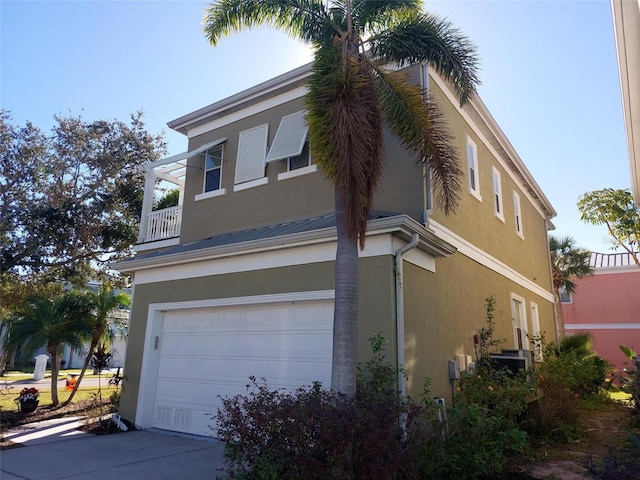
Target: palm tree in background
{"x":51,"y":321}
{"x":355,"y":91}
{"x":103,"y":302}
{"x":568,"y":262}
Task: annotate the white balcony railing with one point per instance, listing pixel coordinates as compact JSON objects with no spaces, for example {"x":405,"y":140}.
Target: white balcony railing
{"x":163,"y":224}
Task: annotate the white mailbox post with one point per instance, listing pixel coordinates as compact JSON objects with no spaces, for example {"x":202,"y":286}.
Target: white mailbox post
{"x":41,"y":366}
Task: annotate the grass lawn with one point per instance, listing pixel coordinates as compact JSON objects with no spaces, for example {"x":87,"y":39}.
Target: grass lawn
{"x":84,"y":393}
{"x":13,"y":376}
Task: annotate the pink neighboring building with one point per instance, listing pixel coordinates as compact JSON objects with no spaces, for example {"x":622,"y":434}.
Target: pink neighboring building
{"x":607,"y":304}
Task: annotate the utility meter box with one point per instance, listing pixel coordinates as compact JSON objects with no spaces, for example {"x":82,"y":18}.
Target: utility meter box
{"x":41,"y":366}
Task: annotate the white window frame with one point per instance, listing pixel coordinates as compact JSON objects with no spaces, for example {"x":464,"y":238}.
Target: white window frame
{"x":298,"y":172}
{"x":517,"y":214}
{"x":204,"y":180}
{"x":561,"y":292}
{"x":538,"y":354}
{"x":496,"y":180}
{"x":250,"y":160}
{"x":219,"y":191}
{"x":308,"y":151}
{"x":472,"y":169}
{"x":519,"y":322}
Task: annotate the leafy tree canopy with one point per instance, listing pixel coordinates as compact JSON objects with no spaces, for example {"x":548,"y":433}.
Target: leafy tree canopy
{"x":615,"y":209}
{"x":70,"y":200}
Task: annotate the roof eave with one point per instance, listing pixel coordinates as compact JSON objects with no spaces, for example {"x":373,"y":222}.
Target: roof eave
{"x":246,"y":97}
{"x":626,"y":26}
{"x":401,"y":226}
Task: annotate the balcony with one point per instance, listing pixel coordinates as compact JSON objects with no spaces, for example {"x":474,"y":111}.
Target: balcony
{"x":161,"y":228}
{"x":163,"y":224}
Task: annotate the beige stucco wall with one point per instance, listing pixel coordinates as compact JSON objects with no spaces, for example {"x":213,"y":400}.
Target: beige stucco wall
{"x":377,"y":311}
{"x":400,"y":189}
{"x":445,"y":309}
{"x":277,"y":201}
{"x":475,"y":220}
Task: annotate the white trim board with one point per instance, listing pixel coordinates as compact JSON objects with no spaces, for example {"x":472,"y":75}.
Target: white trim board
{"x":248,"y":111}
{"x":301,"y":254}
{"x":613,"y":270}
{"x":483,"y":258}
{"x":602,"y":326}
{"x":143,"y":247}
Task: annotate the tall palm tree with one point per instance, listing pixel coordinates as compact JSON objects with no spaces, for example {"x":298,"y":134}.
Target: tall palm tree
{"x":354,"y":89}
{"x":568,"y":262}
{"x":103,"y":302}
{"x":51,"y":322}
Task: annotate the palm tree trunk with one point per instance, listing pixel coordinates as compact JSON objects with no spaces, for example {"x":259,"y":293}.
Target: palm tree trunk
{"x":345,"y":315}
{"x":85,"y":365}
{"x":53,"y":351}
{"x":560,"y":330}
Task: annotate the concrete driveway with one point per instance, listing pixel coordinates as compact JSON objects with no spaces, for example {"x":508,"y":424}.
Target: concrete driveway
{"x":69,"y":454}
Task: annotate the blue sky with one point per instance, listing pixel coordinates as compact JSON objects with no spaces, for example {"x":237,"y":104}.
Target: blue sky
{"x":549,"y":76}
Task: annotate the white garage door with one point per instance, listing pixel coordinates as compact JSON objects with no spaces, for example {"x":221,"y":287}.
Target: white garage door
{"x":212,"y":352}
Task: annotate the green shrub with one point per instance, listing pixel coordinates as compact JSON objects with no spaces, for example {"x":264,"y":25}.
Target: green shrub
{"x":114,"y":399}
{"x":554,"y":416}
{"x":576,"y":366}
{"x":316,"y":434}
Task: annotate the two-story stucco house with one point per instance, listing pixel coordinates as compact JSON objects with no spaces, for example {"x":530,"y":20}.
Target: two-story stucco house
{"x":238,"y":280}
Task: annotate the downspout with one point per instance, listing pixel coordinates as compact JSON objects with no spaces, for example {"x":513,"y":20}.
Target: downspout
{"x":553,"y":290}
{"x":402,"y":390}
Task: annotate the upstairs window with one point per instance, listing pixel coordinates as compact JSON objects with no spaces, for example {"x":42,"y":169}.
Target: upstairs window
{"x":290,"y":141}
{"x":517,"y":215}
{"x":565,"y":297}
{"x":519,"y":318}
{"x":290,"y":145}
{"x":472,"y":162}
{"x":299,"y":161}
{"x":497,"y":193}
{"x":213,"y":169}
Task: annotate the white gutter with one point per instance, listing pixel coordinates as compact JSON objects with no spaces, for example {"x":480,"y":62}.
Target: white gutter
{"x":402,"y":389}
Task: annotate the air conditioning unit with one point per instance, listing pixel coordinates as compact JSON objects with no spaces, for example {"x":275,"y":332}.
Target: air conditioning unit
{"x":512,"y":360}
{"x":527,"y":354}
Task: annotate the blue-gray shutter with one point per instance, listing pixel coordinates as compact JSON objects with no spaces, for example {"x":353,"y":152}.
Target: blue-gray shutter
{"x":290,"y":137}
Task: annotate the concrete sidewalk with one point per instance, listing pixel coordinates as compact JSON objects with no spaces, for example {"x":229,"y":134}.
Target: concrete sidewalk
{"x":132,"y":455}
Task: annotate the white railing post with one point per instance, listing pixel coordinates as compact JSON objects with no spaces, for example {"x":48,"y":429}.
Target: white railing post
{"x":147,"y":204}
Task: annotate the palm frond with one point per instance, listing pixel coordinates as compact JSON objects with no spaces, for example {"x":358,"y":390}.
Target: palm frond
{"x":428,"y":38}
{"x":345,"y":132}
{"x":303,"y":19}
{"x":421,"y":128}
{"x":568,"y":262}
{"x":380,"y":14}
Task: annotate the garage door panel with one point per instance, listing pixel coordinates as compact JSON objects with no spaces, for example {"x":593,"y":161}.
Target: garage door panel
{"x":254,"y":343}
{"x":210,"y":353}
{"x":309,"y":344}
{"x":280,"y":316}
{"x":233,"y":318}
{"x":206,"y":342}
{"x":205,"y":392}
{"x":229,"y":343}
{"x":299,"y":373}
